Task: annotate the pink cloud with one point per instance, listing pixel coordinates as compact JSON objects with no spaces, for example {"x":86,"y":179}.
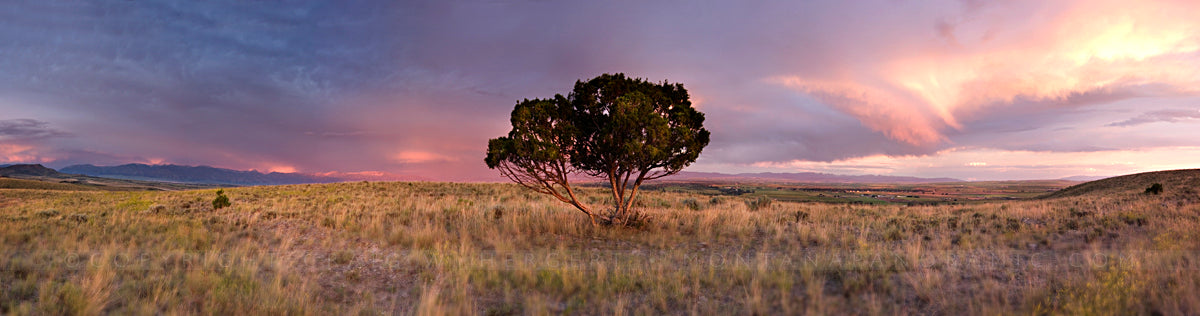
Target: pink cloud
{"x":420,"y":157}
{"x":14,"y":153}
{"x":1169,"y":116}
{"x":281,"y":169}
{"x":1003,"y":53}
{"x":881,"y":110}
{"x":995,"y":164}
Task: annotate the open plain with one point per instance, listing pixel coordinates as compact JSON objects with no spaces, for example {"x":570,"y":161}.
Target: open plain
{"x":496,"y":249}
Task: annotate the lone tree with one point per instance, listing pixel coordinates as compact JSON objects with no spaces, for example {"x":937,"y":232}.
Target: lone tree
{"x":621,"y":129}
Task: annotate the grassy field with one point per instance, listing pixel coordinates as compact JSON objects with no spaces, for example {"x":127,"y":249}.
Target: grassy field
{"x":495,"y":249}
{"x":879,"y":193}
{"x":10,"y":183}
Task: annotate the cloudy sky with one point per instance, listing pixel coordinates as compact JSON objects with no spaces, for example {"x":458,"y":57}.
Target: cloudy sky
{"x":968,"y":89}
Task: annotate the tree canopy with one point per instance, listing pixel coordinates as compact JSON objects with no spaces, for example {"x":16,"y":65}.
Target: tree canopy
{"x":621,"y":129}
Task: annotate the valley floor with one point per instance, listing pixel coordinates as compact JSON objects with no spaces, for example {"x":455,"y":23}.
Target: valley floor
{"x":440,"y":248}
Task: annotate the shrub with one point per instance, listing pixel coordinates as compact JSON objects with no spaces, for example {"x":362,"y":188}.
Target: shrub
{"x":692,"y":204}
{"x":893,"y":234}
{"x":759,"y":203}
{"x":48,"y":213}
{"x":1155,"y":189}
{"x":1078,"y":213}
{"x":1013,"y":225}
{"x":343,"y":257}
{"x":1132,"y":218}
{"x":221,"y":201}
{"x":77,"y":217}
{"x":497,"y":212}
{"x":157,"y":208}
{"x":801,"y":216}
{"x":328,"y":222}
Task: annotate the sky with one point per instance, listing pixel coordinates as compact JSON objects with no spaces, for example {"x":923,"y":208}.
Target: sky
{"x":968,"y":89}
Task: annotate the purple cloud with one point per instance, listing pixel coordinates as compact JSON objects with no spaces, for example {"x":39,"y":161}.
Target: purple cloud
{"x":1169,"y":116}
{"x":27,"y":129}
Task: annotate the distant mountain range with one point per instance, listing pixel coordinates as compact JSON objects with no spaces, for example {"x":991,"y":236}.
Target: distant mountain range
{"x":195,"y":174}
{"x":36,"y":176}
{"x":808,"y":177}
{"x":199,"y":174}
{"x":211,"y":175}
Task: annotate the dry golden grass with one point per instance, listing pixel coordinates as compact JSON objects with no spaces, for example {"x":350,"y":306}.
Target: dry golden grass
{"x":10,"y":183}
{"x":441,"y":248}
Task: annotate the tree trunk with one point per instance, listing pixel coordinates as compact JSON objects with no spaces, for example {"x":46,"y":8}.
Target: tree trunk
{"x":628,"y":204}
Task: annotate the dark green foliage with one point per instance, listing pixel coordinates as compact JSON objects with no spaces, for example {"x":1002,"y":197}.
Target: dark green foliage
{"x":633,"y":125}
{"x":541,"y":136}
{"x":621,"y":129}
{"x":1155,"y":189}
{"x":221,"y":201}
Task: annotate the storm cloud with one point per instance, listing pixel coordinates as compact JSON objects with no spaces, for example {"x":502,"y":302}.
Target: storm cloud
{"x":417,"y":88}
{"x":27,"y":129}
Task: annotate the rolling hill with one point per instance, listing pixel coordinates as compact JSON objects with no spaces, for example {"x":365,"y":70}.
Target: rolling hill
{"x":27,"y":171}
{"x":1175,"y":182}
{"x":11,"y":183}
{"x":221,"y":176}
